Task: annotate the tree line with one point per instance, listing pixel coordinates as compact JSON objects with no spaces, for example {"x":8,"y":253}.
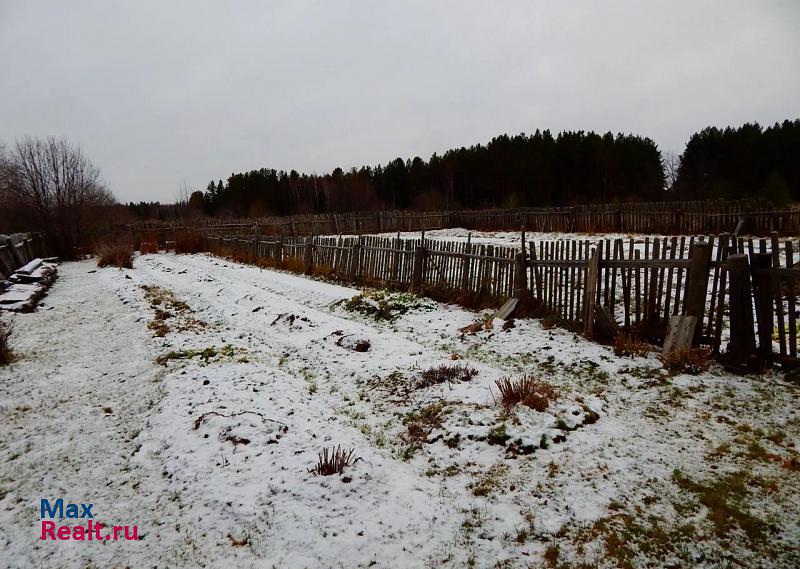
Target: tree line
{"x":736,"y":163}
{"x":537,"y":170}
{"x":509,"y":171}
{"x":51,"y":186}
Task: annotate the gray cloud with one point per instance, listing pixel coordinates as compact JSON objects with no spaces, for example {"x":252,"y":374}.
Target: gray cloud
{"x":159,"y":92}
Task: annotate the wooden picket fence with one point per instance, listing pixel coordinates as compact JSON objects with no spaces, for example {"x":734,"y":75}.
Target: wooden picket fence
{"x":479,"y":268}
{"x":669,"y":218}
{"x":622,"y":284}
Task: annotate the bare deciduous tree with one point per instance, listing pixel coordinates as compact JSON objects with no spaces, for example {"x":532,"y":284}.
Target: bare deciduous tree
{"x":56,"y":185}
{"x":671,"y":163}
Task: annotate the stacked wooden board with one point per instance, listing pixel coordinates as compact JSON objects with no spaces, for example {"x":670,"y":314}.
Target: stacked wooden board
{"x":27,"y":285}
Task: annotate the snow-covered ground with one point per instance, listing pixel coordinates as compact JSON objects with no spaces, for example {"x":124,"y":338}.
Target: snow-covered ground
{"x":191,"y":395}
{"x":514,"y":239}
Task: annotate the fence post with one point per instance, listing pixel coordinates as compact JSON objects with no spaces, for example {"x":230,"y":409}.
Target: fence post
{"x":590,"y":293}
{"x":763,"y":295}
{"x":743,"y":341}
{"x":520,"y":277}
{"x":677,"y":220}
{"x":419,"y":268}
{"x":465,"y":264}
{"x":308,"y":256}
{"x":697,"y":285}
{"x":337,"y":253}
{"x":396,"y":258}
{"x":279,"y":252}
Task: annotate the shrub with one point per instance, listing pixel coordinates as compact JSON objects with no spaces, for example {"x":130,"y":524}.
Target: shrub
{"x":292,"y":264}
{"x":6,"y":330}
{"x":688,"y":360}
{"x":476,"y":300}
{"x":114,"y":255}
{"x":333,"y":461}
{"x":527,"y":390}
{"x":630,"y":346}
{"x":148,"y":247}
{"x":445,"y":373}
{"x":189,"y":241}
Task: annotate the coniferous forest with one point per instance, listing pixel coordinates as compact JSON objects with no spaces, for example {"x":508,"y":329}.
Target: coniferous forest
{"x":536,"y":170}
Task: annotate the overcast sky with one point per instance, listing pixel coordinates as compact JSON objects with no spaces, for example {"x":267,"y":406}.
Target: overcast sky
{"x":161,"y":92}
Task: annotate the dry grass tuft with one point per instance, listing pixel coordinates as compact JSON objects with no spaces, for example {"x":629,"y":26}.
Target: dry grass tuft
{"x":333,"y":461}
{"x":189,"y":241}
{"x":630,"y":346}
{"x":6,"y":330}
{"x":471,"y":299}
{"x":293,"y":264}
{"x":445,"y":373}
{"x":528,"y":391}
{"x":324,"y":271}
{"x":146,"y":248}
{"x":114,"y":255}
{"x":688,"y":360}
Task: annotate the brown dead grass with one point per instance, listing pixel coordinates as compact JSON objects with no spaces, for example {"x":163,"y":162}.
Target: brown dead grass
{"x":148,"y":247}
{"x":628,"y":345}
{"x":189,"y":241}
{"x":333,"y":461}
{"x":114,"y":255}
{"x":688,"y":360}
{"x":445,"y":374}
{"x":292,"y":263}
{"x":527,"y":391}
{"x":472,"y":300}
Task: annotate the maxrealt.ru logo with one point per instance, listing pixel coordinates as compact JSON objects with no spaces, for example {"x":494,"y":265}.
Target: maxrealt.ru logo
{"x":91,"y":531}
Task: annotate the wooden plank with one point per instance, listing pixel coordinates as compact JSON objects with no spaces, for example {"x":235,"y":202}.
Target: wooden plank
{"x":637,"y":290}
{"x":653,"y":285}
{"x":679,"y":333}
{"x":763,"y":296}
{"x":743,"y":341}
{"x":591,"y":285}
{"x":791,"y":302}
{"x":507,"y":310}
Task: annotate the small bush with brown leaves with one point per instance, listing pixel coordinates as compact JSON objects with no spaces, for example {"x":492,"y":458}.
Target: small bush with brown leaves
{"x":445,"y":373}
{"x":114,"y":255}
{"x":333,"y":461}
{"x":628,"y":345}
{"x":527,"y":390}
{"x":148,"y":247}
{"x":189,"y":241}
{"x":688,"y":360}
{"x":6,"y":330}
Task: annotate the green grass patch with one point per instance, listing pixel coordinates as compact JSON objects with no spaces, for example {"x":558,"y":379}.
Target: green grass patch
{"x":206,"y":354}
{"x":727,"y":501}
{"x":384,"y":305}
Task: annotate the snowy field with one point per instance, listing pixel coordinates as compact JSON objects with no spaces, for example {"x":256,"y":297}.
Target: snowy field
{"x":191,"y":395}
{"x":514,"y":239}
